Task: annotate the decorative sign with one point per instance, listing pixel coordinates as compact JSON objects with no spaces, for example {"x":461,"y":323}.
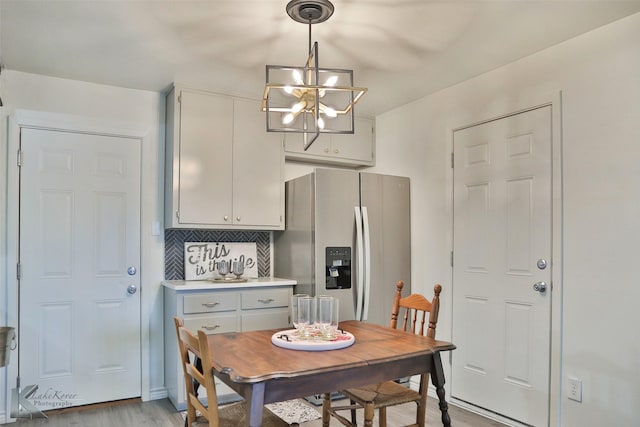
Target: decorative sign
{"x":202,"y":259}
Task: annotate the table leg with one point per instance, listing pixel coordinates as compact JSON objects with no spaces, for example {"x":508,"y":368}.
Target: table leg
{"x":437,"y":378}
{"x":255,"y":403}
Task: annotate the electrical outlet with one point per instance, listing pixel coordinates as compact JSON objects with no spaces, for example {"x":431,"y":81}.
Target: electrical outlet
{"x":574,"y":389}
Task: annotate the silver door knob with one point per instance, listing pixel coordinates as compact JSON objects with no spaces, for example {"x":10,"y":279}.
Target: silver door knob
{"x":132,"y":271}
{"x":540,"y":287}
{"x":132,"y":289}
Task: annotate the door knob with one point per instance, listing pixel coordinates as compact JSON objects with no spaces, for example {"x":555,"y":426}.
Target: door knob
{"x":540,"y":287}
{"x":132,"y":289}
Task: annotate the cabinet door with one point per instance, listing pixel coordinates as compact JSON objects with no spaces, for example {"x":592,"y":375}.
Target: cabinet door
{"x":258,"y":169}
{"x":341,"y":149}
{"x":358,"y":146}
{"x":205,"y":160}
{"x":293,"y":143}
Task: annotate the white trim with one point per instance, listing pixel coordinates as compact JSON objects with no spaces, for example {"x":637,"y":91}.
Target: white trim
{"x":69,"y":122}
{"x":72,"y":123}
{"x":493,"y":112}
{"x":158,"y":393}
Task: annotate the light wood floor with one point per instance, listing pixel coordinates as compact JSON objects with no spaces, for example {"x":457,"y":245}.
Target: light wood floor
{"x":160,"y":413}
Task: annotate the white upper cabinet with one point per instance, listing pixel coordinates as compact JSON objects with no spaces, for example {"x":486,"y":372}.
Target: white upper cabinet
{"x":223,"y":170}
{"x":357,"y":149}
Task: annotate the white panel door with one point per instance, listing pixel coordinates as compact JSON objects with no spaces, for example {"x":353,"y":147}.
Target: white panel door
{"x":79,"y":254}
{"x":502,"y":228}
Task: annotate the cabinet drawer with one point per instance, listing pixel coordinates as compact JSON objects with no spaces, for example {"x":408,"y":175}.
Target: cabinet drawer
{"x":209,"y":302}
{"x":212,"y":324}
{"x":265,"y":298}
{"x":259,"y":320}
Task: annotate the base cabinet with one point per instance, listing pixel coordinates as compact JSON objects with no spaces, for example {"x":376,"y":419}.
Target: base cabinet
{"x":218,"y":311}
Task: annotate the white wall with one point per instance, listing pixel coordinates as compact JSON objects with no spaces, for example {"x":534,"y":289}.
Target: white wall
{"x":599,"y":76}
{"x":126,"y":109}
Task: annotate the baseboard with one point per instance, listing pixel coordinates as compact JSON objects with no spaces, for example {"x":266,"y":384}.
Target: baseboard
{"x":485,"y":413}
{"x":158,"y":393}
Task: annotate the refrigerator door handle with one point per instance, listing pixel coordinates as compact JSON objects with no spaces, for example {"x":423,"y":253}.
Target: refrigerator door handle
{"x":359,"y":266}
{"x":367,"y":262}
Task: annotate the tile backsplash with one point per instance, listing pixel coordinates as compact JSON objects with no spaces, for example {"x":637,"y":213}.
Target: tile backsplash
{"x":174,"y":240}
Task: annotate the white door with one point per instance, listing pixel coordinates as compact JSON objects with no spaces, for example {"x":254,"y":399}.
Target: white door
{"x":79,"y":260}
{"x":502,"y":248}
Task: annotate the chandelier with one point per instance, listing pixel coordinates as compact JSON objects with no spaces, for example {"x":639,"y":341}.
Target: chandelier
{"x":309,"y":99}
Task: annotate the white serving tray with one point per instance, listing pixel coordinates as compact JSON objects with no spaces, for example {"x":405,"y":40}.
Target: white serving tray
{"x":345,"y":339}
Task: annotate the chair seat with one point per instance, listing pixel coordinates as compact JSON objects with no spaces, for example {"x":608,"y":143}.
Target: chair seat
{"x":234,"y":415}
{"x":384,"y":394}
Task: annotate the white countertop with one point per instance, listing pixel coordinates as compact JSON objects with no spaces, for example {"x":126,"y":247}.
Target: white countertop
{"x":260,"y":282}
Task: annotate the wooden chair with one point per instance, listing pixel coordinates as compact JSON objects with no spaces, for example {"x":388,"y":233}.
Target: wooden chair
{"x":413,"y":310}
{"x":195,"y":348}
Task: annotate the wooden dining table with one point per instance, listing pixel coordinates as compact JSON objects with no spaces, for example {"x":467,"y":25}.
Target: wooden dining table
{"x":262,"y":372}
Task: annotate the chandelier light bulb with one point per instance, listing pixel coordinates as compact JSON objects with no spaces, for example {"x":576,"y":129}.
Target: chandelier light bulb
{"x":330,"y":112}
{"x":288,"y":118}
{"x":320,"y":123}
{"x":297,"y":77}
{"x":298,"y":106}
{"x":288,"y":89}
{"x":331,"y":81}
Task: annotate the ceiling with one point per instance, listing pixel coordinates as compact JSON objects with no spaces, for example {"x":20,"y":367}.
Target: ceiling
{"x":401,"y":50}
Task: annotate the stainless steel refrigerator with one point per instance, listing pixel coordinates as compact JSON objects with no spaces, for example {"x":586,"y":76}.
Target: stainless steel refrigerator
{"x":348,"y":235}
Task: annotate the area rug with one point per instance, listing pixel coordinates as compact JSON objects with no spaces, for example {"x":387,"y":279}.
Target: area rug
{"x":293,"y":412}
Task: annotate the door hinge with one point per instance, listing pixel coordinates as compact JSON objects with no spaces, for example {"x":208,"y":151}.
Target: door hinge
{"x":451,"y":258}
{"x":178,"y":215}
{"x":18,"y":266}
{"x":19,"y":158}
{"x":451,"y":160}
{"x":179,"y":98}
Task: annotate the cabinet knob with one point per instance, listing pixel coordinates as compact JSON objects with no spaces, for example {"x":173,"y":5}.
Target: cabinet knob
{"x":326,"y":150}
{"x":237,"y":218}
{"x":336,"y":151}
{"x":226,"y":218}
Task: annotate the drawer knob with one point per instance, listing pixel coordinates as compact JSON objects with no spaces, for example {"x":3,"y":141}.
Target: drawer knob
{"x":266,"y":301}
{"x":210,"y":304}
{"x":210,"y":328}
